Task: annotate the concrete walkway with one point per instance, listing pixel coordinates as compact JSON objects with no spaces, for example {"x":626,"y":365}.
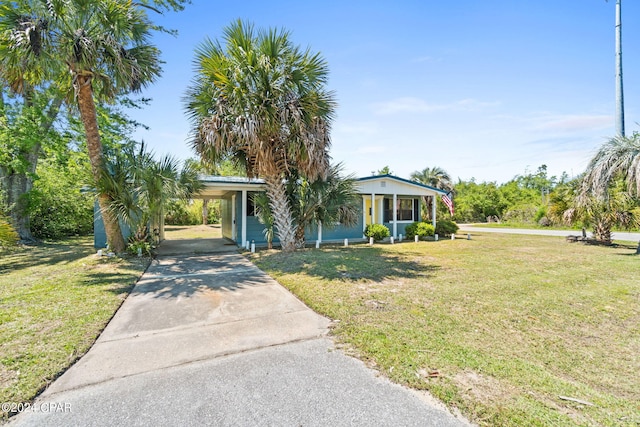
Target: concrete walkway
{"x":212,"y":340}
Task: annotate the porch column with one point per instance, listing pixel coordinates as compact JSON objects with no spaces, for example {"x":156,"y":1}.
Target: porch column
{"x":395,"y":215}
{"x":433,"y":211}
{"x":373,"y":208}
{"x":364,"y":212}
{"x":244,"y":218}
{"x":234,"y":225}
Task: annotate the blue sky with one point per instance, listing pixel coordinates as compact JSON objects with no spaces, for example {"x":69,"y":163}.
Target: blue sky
{"x":484,"y":89}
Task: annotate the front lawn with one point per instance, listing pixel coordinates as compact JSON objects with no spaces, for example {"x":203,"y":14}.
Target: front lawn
{"x":499,"y":327}
{"x":55,"y":299}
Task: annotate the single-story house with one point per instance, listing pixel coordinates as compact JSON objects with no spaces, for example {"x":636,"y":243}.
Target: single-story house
{"x":380,"y":194}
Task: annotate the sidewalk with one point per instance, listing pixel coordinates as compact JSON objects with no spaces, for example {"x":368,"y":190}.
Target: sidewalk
{"x":212,"y":340}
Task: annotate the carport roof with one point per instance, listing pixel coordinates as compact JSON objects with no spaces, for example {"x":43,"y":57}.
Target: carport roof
{"x":219,"y":186}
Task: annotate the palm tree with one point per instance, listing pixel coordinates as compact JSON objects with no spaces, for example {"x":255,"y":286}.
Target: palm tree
{"x":93,"y":49}
{"x":617,"y":158}
{"x":139,"y":187}
{"x":261,"y":101}
{"x":329,"y":201}
{"x":617,"y":162}
{"x":435,"y":177}
{"x":604,"y":214}
{"x":265,"y":216}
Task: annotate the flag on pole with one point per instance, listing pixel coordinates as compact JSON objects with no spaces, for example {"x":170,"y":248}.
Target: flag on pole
{"x":446,"y":199}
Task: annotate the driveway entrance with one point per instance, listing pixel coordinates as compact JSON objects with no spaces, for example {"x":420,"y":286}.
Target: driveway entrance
{"x":197,"y":239}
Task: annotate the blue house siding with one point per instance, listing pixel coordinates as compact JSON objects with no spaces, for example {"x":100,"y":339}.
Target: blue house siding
{"x":100,"y":234}
{"x":401,"y":227}
{"x":343,"y":232}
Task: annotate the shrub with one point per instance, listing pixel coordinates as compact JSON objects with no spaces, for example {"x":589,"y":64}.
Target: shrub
{"x":420,"y":229}
{"x":544,"y":222}
{"x":178,"y":212}
{"x":58,"y":206}
{"x":446,"y":228}
{"x":377,"y":231}
{"x":522,"y":214}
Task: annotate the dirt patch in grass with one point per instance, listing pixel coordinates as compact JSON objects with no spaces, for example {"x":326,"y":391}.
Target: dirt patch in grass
{"x":509,"y":322}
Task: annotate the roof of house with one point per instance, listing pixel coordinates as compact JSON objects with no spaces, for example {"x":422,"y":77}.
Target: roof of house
{"x":230,"y":179}
{"x":402,"y":180}
{"x":218,"y":186}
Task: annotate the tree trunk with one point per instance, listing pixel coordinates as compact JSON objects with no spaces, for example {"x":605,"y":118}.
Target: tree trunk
{"x":300,"y":240}
{"x":17,"y":186}
{"x":205,"y":211}
{"x":19,"y":183}
{"x":89,"y":118}
{"x":283,"y":219}
{"x":602,"y":231}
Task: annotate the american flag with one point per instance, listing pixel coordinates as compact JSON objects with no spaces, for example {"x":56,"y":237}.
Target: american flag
{"x":446,"y":199}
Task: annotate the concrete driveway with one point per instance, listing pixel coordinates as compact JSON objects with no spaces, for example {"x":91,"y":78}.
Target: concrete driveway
{"x":212,"y":340}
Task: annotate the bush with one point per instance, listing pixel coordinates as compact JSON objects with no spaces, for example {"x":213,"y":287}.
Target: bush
{"x":178,"y":212}
{"x":446,"y":228}
{"x":522,"y":214}
{"x":544,"y":222}
{"x":377,"y":231}
{"x":8,"y":236}
{"x":420,"y":229}
{"x":57,"y":204}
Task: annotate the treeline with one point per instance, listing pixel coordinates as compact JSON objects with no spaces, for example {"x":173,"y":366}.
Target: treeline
{"x":526,"y":199}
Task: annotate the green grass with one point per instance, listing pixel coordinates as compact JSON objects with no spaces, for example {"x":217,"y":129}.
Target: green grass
{"x":55,"y":299}
{"x":179,"y":232}
{"x":498,"y":327}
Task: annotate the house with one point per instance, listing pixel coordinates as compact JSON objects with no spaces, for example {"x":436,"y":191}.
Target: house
{"x":380,"y":194}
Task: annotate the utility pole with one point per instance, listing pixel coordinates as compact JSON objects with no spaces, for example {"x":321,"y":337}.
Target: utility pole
{"x":619,"y":91}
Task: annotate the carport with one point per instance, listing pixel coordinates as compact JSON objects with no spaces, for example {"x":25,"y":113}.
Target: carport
{"x":233,"y":191}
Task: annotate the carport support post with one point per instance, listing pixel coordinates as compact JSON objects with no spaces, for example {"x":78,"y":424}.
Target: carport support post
{"x":395,"y":216}
{"x":244,"y":218}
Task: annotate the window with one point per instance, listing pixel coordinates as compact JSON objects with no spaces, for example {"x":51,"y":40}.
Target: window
{"x":406,"y":209}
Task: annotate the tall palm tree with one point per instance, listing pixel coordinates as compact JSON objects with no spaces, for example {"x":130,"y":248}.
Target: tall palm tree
{"x":261,"y":100}
{"x":434,"y":177}
{"x":95,"y":49}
